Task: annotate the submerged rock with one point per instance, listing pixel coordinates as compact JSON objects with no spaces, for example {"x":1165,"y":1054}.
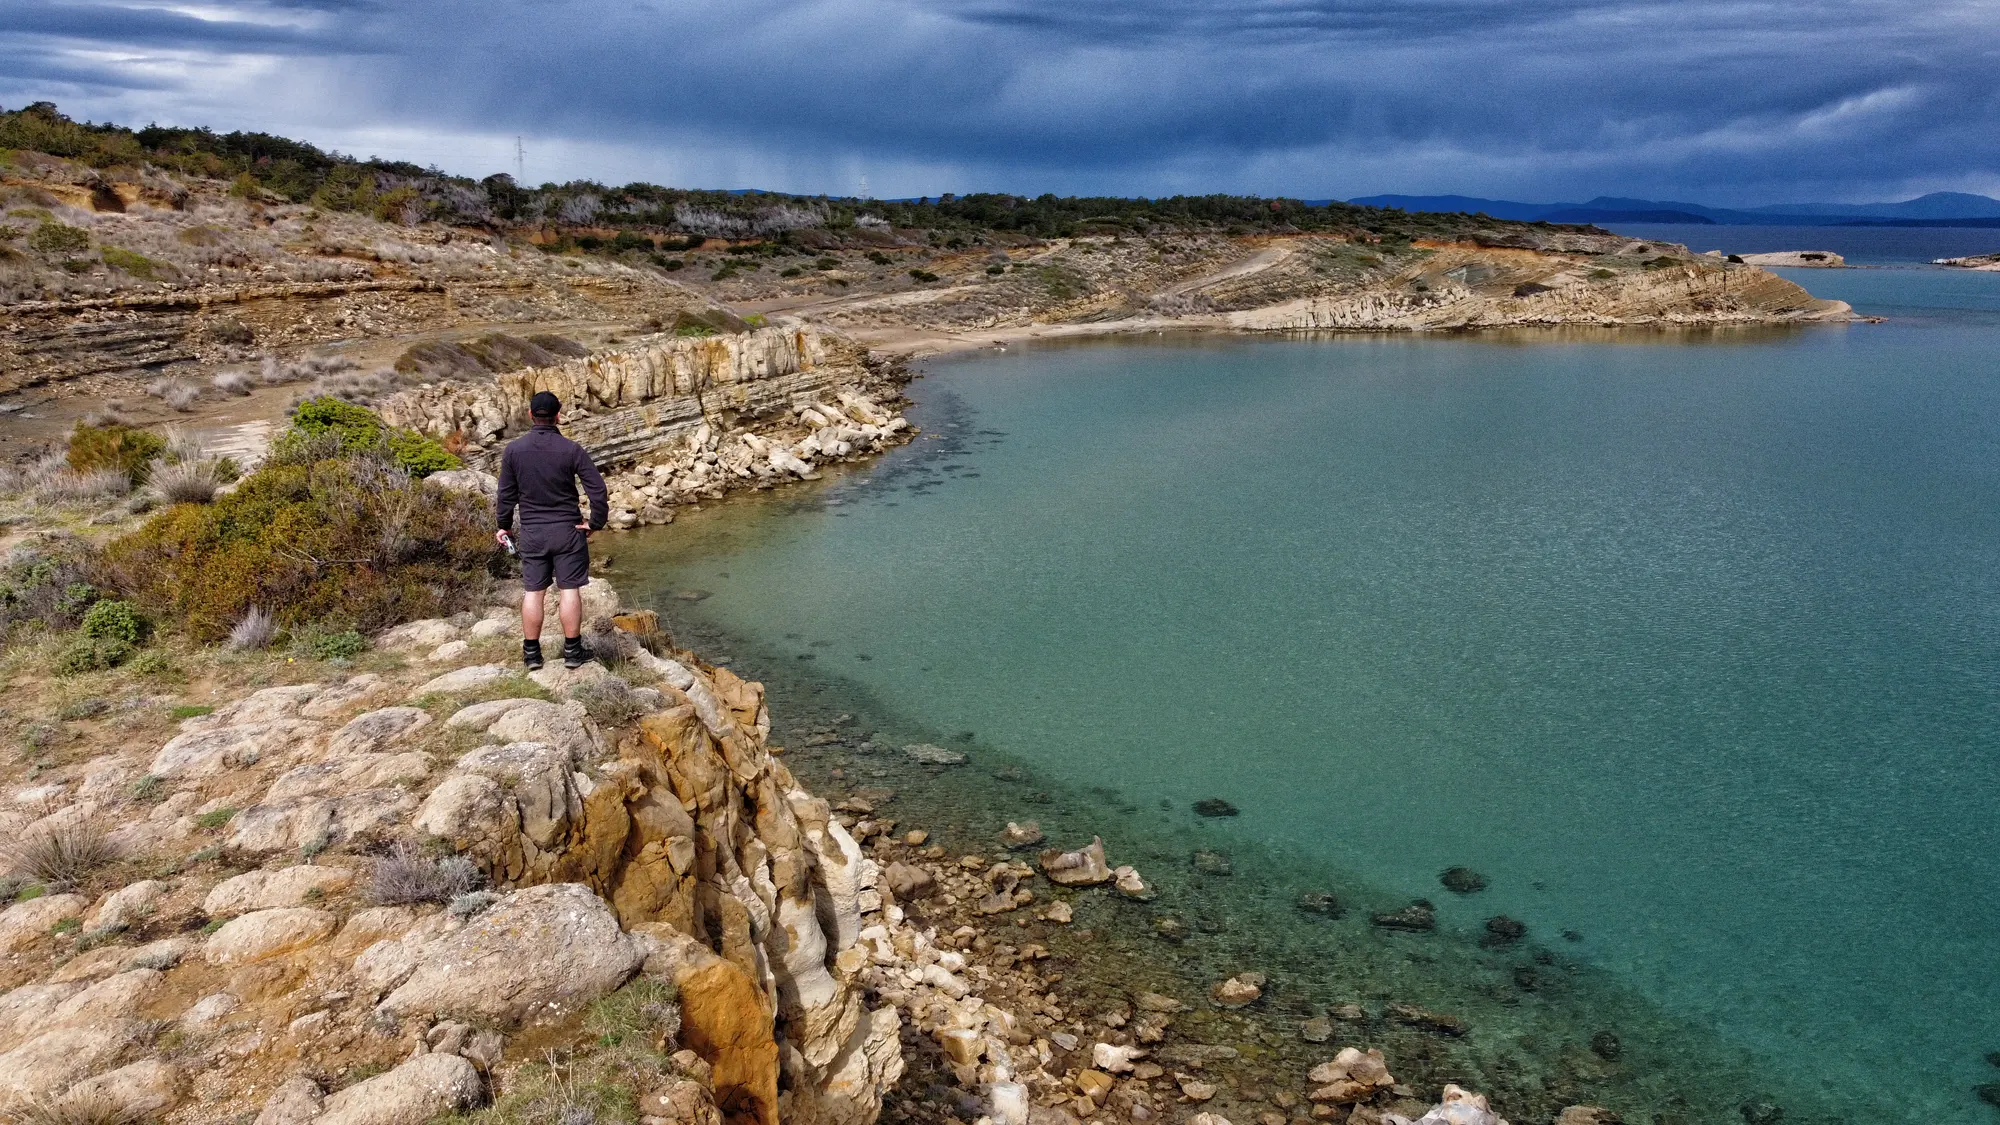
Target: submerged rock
{"x":1239,"y":991}
{"x":1502,"y":930}
{"x":1588,"y":1115}
{"x":1209,"y":862}
{"x":1418,"y":917}
{"x":1024,"y":835}
{"x":1214,"y":806}
{"x":1423,"y":1019}
{"x":1319,"y":902}
{"x":1462,"y":880}
{"x":927,"y":754}
{"x":1605,"y":1045}
{"x":1318,"y":1029}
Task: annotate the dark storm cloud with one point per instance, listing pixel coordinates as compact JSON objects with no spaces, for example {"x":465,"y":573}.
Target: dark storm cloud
{"x":1725,"y":101}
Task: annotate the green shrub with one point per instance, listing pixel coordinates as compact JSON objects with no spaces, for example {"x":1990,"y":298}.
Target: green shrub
{"x":923,"y":275}
{"x":116,"y":621}
{"x":86,"y":654}
{"x":357,"y":427}
{"x":53,"y":237}
{"x":343,"y":645}
{"x":136,"y":264}
{"x":878,"y":257}
{"x":326,"y":427}
{"x":123,"y":448}
{"x":790,"y":271}
{"x":190,"y":711}
{"x":215,"y":818}
{"x":44,"y":584}
{"x":417,"y":454}
{"x":345,"y":539}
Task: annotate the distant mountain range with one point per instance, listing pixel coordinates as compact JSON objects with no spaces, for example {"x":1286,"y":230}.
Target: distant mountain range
{"x":1938,"y":209}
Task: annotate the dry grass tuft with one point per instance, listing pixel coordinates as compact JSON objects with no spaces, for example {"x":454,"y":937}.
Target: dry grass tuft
{"x":90,"y":1107}
{"x":178,"y":394}
{"x":63,"y":857}
{"x":185,"y":482}
{"x":406,"y":875}
{"x":257,"y":630}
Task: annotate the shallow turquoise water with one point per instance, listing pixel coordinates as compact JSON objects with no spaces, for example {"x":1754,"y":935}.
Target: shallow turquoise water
{"x":1690,"y":642}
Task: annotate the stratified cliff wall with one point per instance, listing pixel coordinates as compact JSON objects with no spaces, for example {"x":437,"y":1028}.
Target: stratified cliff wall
{"x":627,"y":404}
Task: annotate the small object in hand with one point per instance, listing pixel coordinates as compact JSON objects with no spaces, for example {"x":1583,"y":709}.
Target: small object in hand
{"x":507,"y":541}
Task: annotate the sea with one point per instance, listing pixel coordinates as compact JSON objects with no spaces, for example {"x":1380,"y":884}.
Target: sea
{"x":1687,"y":642}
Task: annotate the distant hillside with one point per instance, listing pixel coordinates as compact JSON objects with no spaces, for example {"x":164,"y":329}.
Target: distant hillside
{"x":1936,"y":209}
{"x":588,"y":215}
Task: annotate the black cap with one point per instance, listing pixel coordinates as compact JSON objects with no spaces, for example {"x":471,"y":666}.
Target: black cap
{"x":544,"y":405}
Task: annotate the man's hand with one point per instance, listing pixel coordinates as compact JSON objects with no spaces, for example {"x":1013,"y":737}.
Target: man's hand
{"x":500,"y":537}
{"x":585,"y":528}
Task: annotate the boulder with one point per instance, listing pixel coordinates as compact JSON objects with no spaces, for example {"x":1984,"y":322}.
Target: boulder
{"x":465,"y":480}
{"x":536,"y":955}
{"x":376,"y":731}
{"x":1458,"y":1106}
{"x":267,"y":890}
{"x":126,"y":906}
{"x":267,"y":705}
{"x":480,"y":716}
{"x":321,"y":822}
{"x":296,"y":1102}
{"x":564,"y":726}
{"x":1080,"y":868}
{"x":427,"y":633}
{"x":1462,"y":880}
{"x":52,"y":1061}
{"x":470,"y":678}
{"x":22,"y":923}
{"x":348,"y":775}
{"x":1352,"y":1076}
{"x":267,"y":933}
{"x":423,"y":1088}
{"x":210,"y":751}
{"x":355,"y":691}
{"x":142,"y":1091}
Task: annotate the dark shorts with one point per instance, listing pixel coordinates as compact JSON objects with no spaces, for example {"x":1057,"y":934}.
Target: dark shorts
{"x":558,"y":552}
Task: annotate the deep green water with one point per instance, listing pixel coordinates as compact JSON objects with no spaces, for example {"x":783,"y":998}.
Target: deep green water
{"x":1688,"y":641}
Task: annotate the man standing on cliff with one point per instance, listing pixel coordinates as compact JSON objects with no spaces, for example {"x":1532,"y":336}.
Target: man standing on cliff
{"x":538,"y":472}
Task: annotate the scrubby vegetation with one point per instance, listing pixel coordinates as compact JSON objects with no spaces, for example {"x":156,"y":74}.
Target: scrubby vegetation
{"x":650,"y":222}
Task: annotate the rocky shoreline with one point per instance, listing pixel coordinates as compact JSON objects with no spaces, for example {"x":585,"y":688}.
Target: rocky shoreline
{"x":396,"y":894}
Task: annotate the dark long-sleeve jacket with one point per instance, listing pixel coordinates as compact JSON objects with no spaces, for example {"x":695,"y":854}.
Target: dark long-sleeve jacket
{"x":539,"y":471}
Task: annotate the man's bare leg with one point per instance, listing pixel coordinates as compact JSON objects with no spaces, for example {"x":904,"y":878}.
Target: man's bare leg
{"x":570,"y":613}
{"x":532,"y":604}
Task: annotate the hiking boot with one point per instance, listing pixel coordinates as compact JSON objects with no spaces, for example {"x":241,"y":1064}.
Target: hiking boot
{"x":531,"y":655}
{"x":574,"y":654}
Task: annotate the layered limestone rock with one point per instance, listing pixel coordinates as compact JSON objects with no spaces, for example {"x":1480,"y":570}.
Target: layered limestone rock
{"x":1486,"y":288}
{"x":624,"y":405}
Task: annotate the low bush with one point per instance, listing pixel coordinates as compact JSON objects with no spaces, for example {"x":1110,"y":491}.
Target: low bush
{"x":54,"y":237}
{"x":114,"y":446}
{"x":328,"y":427}
{"x":352,"y":540}
{"x":45,"y":585}
{"x":338,"y":644}
{"x":136,"y":264}
{"x":116,"y":621}
{"x":87,"y":654}
{"x":178,"y":394}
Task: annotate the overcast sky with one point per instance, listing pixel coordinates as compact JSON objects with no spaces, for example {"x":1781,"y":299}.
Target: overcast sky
{"x":1728,"y":102}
